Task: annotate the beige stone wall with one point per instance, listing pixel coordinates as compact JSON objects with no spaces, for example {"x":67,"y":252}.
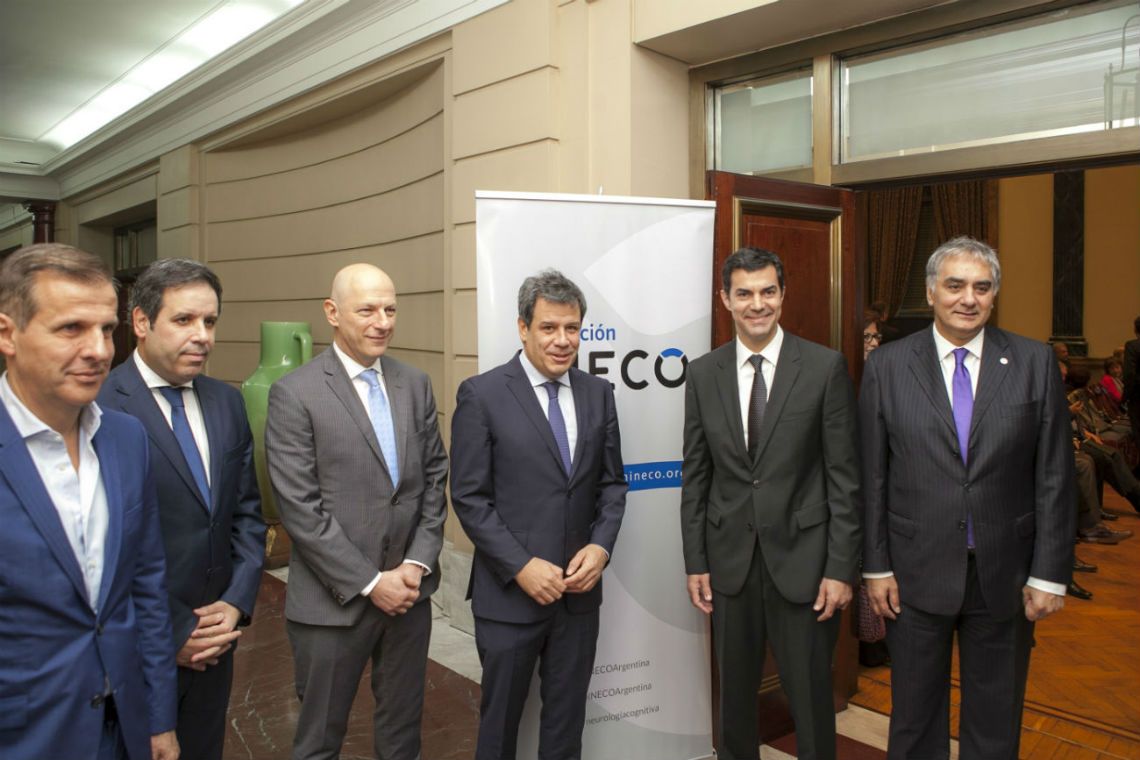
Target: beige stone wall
{"x":1112,"y":256}
{"x":280,"y":216}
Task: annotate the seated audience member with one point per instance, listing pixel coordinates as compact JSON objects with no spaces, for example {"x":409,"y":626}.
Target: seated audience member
{"x":1090,"y":512}
{"x":1110,"y":465}
{"x":1061,"y":351}
{"x":1114,"y":432}
{"x":1113,"y":380}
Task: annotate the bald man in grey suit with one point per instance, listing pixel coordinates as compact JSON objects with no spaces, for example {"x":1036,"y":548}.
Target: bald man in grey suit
{"x":359,"y":470}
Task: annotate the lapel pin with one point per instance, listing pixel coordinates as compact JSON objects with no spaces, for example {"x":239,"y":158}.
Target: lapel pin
{"x":1003,"y":360}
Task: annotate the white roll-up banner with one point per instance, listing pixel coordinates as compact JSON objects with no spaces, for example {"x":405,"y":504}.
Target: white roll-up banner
{"x":645,"y":268}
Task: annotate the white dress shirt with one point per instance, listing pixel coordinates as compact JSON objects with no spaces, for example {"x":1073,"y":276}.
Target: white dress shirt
{"x":354,"y":370}
{"x":78,"y":495}
{"x":746,"y":373}
{"x":193,"y":408}
{"x":565,"y":398}
{"x":973,"y":362}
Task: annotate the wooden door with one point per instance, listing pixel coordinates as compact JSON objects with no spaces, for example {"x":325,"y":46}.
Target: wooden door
{"x":813,"y":228}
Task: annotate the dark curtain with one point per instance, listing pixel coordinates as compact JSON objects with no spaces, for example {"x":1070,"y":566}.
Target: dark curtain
{"x":892,"y":231}
{"x":961,"y":208}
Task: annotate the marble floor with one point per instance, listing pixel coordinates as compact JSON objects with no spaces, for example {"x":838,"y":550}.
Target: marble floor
{"x":263,"y":706}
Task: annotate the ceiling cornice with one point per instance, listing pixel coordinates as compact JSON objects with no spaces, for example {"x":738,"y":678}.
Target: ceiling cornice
{"x":316,"y":43}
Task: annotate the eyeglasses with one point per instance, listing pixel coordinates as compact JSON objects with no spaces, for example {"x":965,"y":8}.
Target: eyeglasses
{"x":872,"y":337}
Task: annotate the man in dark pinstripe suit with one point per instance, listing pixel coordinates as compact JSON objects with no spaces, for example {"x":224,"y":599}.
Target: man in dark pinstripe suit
{"x":359,"y":471}
{"x":970,"y":509}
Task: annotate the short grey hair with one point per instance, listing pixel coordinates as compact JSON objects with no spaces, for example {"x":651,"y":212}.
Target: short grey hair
{"x":963,"y":246}
{"x":550,"y":285}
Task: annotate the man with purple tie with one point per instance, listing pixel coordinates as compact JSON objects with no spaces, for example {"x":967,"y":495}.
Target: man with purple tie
{"x":970,"y":509}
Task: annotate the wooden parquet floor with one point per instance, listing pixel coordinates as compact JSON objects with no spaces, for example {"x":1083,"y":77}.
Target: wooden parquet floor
{"x":1083,"y":696}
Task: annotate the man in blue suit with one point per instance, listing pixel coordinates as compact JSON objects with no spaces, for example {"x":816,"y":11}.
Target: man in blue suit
{"x":209,"y":506}
{"x":86,"y":661}
{"x":539,"y":486}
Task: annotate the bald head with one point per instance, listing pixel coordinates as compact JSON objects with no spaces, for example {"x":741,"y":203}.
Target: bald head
{"x":356,"y":278}
{"x":362,"y":312}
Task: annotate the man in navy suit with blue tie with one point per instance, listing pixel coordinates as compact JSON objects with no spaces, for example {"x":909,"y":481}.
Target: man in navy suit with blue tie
{"x":86,"y":661}
{"x":209,"y":506}
{"x":539,"y":486}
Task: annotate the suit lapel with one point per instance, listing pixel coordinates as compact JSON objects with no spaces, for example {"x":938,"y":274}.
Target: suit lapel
{"x":581,"y":414}
{"x":138,"y":401}
{"x":991,"y":375}
{"x":341,"y":387}
{"x":215,"y":428}
{"x":19,"y":470}
{"x":519,"y":385}
{"x":927,"y":370}
{"x":400,"y":402}
{"x":728,"y":389}
{"x":109,"y":470}
{"x":787,"y":370}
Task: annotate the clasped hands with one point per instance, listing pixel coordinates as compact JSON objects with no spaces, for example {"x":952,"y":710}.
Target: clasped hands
{"x":214,"y":635}
{"x":545,"y":582}
{"x":398,"y":589}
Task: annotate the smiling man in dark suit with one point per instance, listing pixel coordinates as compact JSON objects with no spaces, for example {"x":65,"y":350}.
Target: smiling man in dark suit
{"x":209,"y":505}
{"x":970,"y":509}
{"x":538,"y":484}
{"x":769,"y":507}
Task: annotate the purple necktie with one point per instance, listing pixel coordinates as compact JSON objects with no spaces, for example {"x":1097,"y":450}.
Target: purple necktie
{"x":963,"y":413}
{"x":558,"y":423}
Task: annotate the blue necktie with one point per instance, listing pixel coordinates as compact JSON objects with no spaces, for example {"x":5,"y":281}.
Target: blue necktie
{"x":381,"y":415}
{"x":185,"y":437}
{"x":558,"y":423}
{"x":963,"y":414}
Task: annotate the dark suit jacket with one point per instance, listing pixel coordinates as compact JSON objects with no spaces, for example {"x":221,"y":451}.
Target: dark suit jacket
{"x":1018,"y":483}
{"x":335,"y":494}
{"x":55,"y":651}
{"x":1131,"y":366}
{"x":214,"y":553}
{"x":801,"y":494}
{"x":511,"y":492}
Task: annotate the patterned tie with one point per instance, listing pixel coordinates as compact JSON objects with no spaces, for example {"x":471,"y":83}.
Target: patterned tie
{"x":757,"y":405}
{"x":557,"y":423}
{"x":381,"y":415}
{"x":963,"y":414}
{"x":185,"y":437}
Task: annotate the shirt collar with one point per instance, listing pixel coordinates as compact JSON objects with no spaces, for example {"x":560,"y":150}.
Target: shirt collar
{"x":152,"y":378}
{"x":354,"y":368}
{"x":770,"y":352}
{"x":28,"y":424}
{"x":945,"y":347}
{"x":537,"y":378}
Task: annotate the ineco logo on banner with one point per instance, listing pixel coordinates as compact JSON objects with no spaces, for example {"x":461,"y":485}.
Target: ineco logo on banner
{"x":669,"y":367}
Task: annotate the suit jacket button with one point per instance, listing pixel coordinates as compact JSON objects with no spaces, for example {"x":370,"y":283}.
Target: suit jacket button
{"x":755,"y":483}
{"x":395,"y":500}
{"x":961,"y":525}
{"x":750,"y":527}
{"x":99,"y":629}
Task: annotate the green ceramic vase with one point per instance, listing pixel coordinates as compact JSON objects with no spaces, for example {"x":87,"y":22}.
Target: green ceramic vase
{"x":284,"y":347}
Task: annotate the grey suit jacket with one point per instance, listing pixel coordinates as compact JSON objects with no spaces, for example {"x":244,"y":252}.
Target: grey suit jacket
{"x":335,"y":494}
{"x":1018,"y":482}
{"x":801,"y":492}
